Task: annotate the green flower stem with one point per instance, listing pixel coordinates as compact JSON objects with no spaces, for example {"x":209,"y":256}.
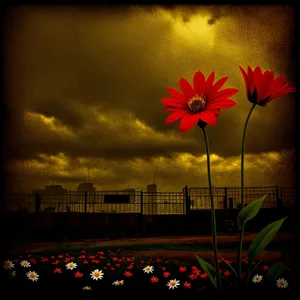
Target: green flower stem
{"x":213,"y":214}
{"x":242,"y":188}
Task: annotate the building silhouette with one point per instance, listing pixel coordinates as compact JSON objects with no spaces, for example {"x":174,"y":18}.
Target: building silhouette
{"x":51,"y":198}
{"x":150,"y":201}
{"x":86,"y":187}
{"x":51,"y":189}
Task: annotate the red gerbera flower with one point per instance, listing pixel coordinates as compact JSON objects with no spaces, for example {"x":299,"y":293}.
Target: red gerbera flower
{"x":200,"y":104}
{"x":261,"y":88}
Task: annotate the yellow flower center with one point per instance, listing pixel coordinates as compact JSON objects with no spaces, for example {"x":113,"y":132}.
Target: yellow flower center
{"x":97,"y":274}
{"x":196,"y":103}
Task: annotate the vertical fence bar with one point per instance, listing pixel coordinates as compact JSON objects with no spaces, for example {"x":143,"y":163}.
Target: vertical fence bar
{"x":85,"y":202}
{"x":225,"y":199}
{"x":37,"y":203}
{"x":187,"y":200}
{"x":141,"y":202}
{"x":278,"y":198}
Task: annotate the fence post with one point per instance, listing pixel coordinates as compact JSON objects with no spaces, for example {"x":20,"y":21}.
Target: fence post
{"x":278,"y":198}
{"x":85,"y":202}
{"x":225,"y":199}
{"x":187,"y":200}
{"x":141,"y":202}
{"x":37,"y":203}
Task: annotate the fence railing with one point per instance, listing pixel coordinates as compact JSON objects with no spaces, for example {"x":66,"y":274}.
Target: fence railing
{"x":161,"y":203}
{"x":230,"y":197}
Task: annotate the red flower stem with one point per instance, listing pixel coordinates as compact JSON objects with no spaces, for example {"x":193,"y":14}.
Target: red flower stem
{"x":213,"y":214}
{"x":242,"y":189}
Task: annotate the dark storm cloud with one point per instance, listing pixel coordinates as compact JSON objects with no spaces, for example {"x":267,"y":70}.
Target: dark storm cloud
{"x":66,"y":62}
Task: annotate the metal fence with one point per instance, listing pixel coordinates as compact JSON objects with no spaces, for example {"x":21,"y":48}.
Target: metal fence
{"x":230,"y":197}
{"x":162,"y":203}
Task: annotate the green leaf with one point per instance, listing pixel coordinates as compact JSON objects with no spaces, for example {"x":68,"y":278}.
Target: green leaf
{"x":208,"y":269}
{"x":231,"y":268}
{"x":250,"y":211}
{"x":276,"y":270}
{"x":263,"y":239}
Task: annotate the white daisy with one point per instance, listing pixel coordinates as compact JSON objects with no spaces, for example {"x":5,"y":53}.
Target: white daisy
{"x":8,"y":264}
{"x":71,"y":265}
{"x":25,"y":263}
{"x":31,"y":275}
{"x":257,"y":278}
{"x":148,"y":269}
{"x":281,"y":283}
{"x":97,"y":274}
{"x":87,"y":288}
{"x":172,"y":284}
{"x":118,"y":282}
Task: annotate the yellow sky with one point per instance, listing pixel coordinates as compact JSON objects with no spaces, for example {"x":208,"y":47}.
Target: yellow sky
{"x":83,"y":88}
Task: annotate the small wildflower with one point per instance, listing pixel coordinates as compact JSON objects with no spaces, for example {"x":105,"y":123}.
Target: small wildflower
{"x":97,"y":274}
{"x":78,"y":274}
{"x":148,"y":269}
{"x":118,"y":282}
{"x":87,"y":288}
{"x":281,"y":283}
{"x":172,"y":284}
{"x":257,"y":278}
{"x":33,"y":276}
{"x":153,"y":279}
{"x":128,"y":274}
{"x":182,"y":269}
{"x":192,"y":276}
{"x":8,"y":264}
{"x":71,"y":265}
{"x":25,"y":263}
{"x":265,"y":268}
{"x":57,"y":271}
{"x":187,"y":285}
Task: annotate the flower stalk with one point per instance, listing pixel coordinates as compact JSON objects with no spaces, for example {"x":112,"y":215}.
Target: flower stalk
{"x":213,"y":213}
{"x":242,"y":189}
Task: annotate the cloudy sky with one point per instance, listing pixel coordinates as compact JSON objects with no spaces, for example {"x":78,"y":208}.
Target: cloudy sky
{"x":83,"y":89}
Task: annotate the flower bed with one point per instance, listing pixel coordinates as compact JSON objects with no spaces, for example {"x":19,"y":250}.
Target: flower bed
{"x":99,"y":271}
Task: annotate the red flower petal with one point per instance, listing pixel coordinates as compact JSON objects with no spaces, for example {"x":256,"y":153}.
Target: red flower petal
{"x":226,"y":92}
{"x":176,"y":94}
{"x":186,"y":88}
{"x":208,"y":117}
{"x":245,"y":78}
{"x":199,"y":83}
{"x":174,"y":102}
{"x":175,"y":116}
{"x":277,"y":83}
{"x":220,"y":104}
{"x":188,"y":121}
{"x":215,"y":111}
{"x":282,"y":92}
{"x":268,"y":78}
{"x":251,"y":82}
{"x":216,"y":87}
{"x":257,"y":77}
{"x":171,"y":108}
{"x":209,"y":82}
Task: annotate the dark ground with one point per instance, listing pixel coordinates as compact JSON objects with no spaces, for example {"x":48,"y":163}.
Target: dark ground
{"x":223,"y":242}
